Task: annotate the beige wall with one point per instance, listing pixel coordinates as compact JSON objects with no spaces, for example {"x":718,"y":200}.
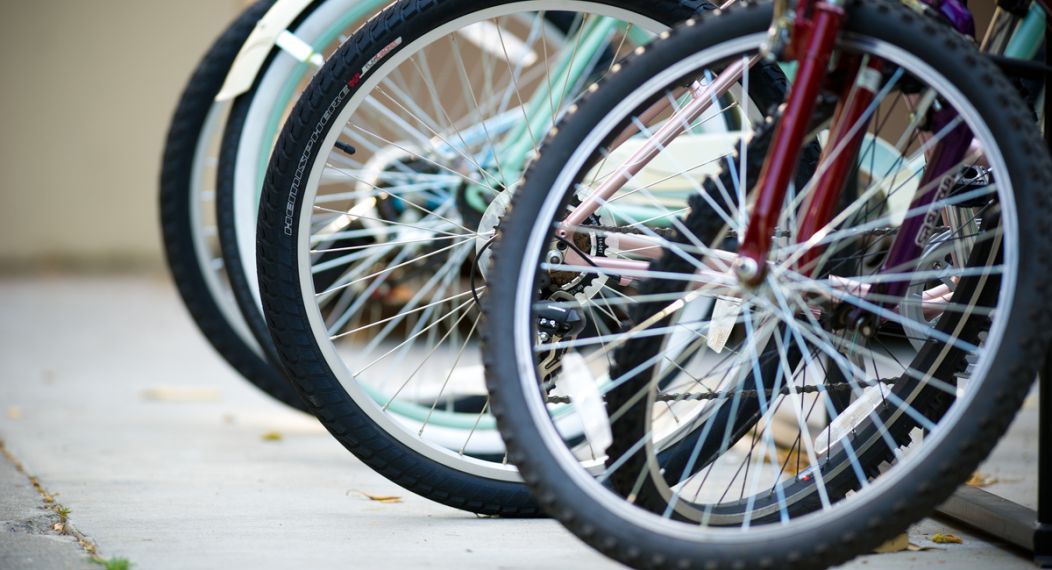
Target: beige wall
{"x":86,"y":92}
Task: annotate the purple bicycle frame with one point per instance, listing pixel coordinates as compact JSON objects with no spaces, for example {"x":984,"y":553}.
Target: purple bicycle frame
{"x":947,"y":154}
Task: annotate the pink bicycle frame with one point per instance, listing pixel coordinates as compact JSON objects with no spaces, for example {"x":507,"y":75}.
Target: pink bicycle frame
{"x":815,"y":30}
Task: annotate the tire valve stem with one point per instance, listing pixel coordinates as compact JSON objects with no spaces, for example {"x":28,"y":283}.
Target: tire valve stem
{"x":346,"y":148}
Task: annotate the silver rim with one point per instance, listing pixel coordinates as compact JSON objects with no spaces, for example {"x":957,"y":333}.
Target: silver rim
{"x":203,"y":230}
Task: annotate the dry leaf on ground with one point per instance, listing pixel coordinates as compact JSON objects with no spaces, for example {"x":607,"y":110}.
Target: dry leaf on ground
{"x":381,"y":498}
{"x":979,"y":480}
{"x":897,"y":544}
{"x":946,"y":538}
{"x":181,"y":394}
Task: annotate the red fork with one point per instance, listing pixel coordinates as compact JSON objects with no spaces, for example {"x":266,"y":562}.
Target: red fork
{"x":812,"y":46}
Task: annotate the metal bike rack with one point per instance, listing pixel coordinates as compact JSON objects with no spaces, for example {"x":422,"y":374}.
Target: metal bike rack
{"x":993,"y":515}
{"x":1015,"y":524}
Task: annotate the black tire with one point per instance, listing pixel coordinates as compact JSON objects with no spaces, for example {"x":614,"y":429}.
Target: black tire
{"x":184,"y":137}
{"x":278,"y":261}
{"x":633,"y":537}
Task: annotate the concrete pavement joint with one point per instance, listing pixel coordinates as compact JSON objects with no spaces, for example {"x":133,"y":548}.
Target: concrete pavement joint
{"x":64,"y":526}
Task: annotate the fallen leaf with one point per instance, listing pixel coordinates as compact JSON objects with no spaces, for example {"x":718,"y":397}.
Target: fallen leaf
{"x":381,"y":498}
{"x":946,"y":538}
{"x":59,"y":527}
{"x":272,"y":436}
{"x":918,"y":548}
{"x":979,"y":480}
{"x":897,"y":544}
{"x":14,"y":412}
{"x":181,"y":394}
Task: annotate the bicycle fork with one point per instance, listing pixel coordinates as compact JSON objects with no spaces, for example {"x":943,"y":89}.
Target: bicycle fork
{"x":813,"y":40}
{"x":812,"y":44}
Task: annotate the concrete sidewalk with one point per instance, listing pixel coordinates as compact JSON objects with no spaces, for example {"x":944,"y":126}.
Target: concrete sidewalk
{"x":186,"y":484}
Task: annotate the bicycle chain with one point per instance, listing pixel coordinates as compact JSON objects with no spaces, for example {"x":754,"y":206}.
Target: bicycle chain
{"x":834,"y":387}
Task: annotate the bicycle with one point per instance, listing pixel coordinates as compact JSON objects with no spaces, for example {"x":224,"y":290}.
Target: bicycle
{"x":753,"y":286}
{"x":368,"y":273}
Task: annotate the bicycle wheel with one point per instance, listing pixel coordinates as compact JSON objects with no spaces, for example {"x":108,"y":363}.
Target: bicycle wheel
{"x":376,"y":206}
{"x":936,"y":351}
{"x":186,"y":204}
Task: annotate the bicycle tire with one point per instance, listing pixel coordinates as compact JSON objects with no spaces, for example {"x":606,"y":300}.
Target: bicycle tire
{"x":180,"y":228}
{"x":584,"y":507}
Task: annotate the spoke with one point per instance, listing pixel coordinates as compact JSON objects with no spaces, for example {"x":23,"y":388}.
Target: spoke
{"x":805,"y":432}
{"x":417,"y":112}
{"x":728,"y":218}
{"x":859,"y":125}
{"x":800,"y":249}
{"x":402,"y":315}
{"x":370,"y":261}
{"x":357,"y":216}
{"x":725,"y":280}
{"x":428,"y":160}
{"x":391,"y":268}
{"x":466,"y":82}
{"x":413,"y":337}
{"x":434,"y":214}
{"x":798,"y":332}
{"x":479,"y":168}
{"x":420,"y":366}
{"x":602,"y":339}
{"x":388,"y":244}
{"x":622,"y":301}
{"x":425,"y":74}
{"x":906,"y":323}
{"x":393,"y":119}
{"x":841,"y":237}
{"x":513,"y":85}
{"x":363,"y":297}
{"x":569,"y":69}
{"x":440,"y":283}
{"x":717,"y":259}
{"x":475,"y":427}
{"x":819,"y":339}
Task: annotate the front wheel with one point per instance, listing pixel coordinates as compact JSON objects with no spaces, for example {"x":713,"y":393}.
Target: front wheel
{"x":932,"y":379}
